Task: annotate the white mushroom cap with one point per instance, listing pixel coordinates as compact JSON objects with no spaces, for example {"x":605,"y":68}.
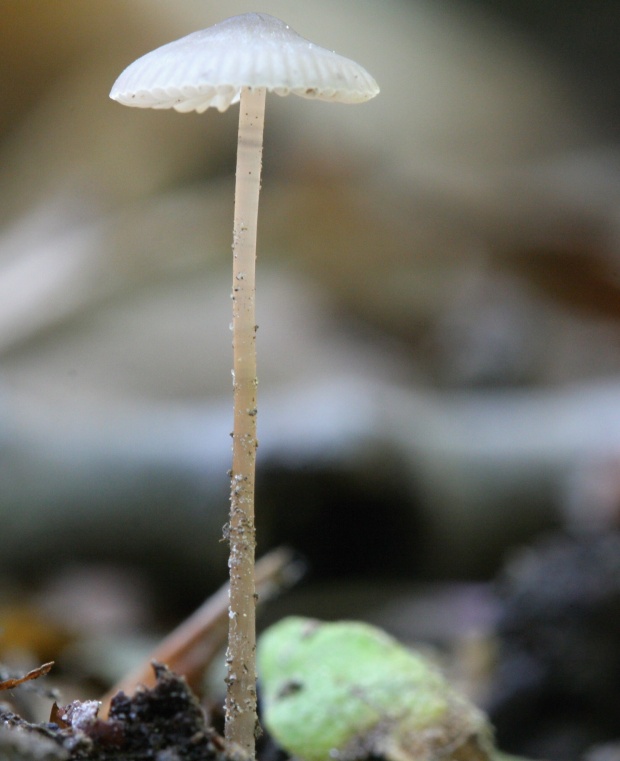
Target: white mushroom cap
{"x":210,"y":67}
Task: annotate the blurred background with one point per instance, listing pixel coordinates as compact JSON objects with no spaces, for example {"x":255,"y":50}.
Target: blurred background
{"x":438,"y":296}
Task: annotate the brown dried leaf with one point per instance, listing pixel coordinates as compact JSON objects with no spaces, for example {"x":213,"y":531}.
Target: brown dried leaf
{"x":9,"y":684}
{"x":56,"y":716}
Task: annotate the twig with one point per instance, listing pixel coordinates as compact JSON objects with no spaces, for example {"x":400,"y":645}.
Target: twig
{"x":10,"y":684}
{"x":190,"y":648}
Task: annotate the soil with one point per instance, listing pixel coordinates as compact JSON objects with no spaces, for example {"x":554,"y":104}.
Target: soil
{"x":165,"y":723}
{"x":558,"y":668}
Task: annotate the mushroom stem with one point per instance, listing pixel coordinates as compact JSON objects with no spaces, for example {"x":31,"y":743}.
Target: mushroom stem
{"x":241,"y":718}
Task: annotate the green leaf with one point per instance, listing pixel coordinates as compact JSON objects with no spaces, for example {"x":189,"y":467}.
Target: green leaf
{"x":347,"y":690}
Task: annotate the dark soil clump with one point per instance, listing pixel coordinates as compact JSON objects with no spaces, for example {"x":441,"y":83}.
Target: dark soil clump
{"x":163,"y":724}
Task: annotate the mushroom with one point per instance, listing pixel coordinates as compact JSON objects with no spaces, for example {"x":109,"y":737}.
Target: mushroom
{"x":239,"y":60}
